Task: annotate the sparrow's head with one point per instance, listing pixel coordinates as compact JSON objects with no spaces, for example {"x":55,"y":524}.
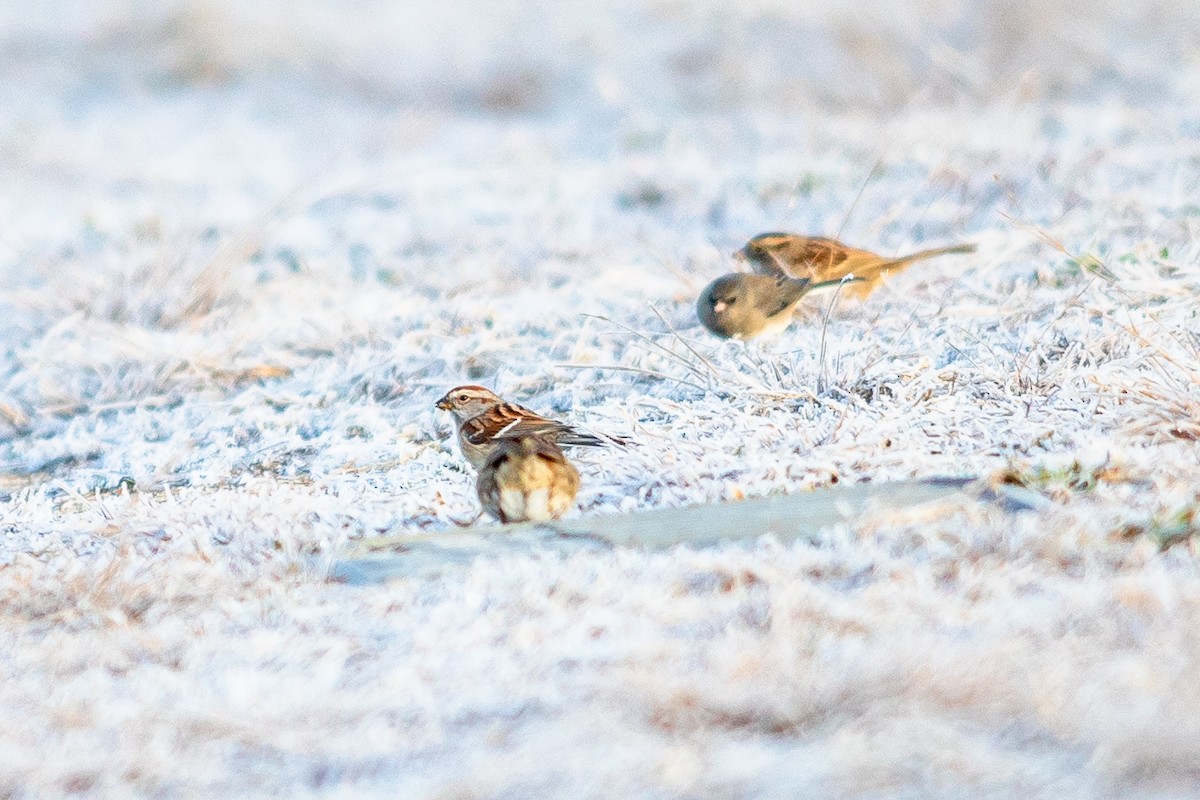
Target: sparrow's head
{"x":723,"y":306}
{"x":465,"y":402}
{"x":765,"y":248}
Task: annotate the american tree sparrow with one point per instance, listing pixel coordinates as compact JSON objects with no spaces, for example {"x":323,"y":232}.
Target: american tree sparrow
{"x":484,"y":420}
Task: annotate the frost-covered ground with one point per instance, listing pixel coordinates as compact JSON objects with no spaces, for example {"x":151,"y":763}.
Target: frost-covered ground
{"x":247,"y":245}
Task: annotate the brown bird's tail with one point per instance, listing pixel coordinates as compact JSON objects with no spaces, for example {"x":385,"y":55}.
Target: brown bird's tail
{"x":870,"y":273}
{"x":904,"y":261}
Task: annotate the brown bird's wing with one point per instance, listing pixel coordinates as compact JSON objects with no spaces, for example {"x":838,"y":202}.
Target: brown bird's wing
{"x":811,"y":257}
{"x":820,"y":259}
{"x":511,"y":421}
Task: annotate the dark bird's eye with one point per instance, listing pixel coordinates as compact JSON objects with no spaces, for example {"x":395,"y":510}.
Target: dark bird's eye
{"x":462,"y":398}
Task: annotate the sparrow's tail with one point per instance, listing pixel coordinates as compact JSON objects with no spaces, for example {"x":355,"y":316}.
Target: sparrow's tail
{"x":921,"y":255}
{"x":581,"y":439}
{"x":871,"y":272}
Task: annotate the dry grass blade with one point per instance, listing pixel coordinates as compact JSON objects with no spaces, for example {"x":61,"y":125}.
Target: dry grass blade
{"x":858,"y":196}
{"x":823,"y":377}
{"x":711,"y":369}
{"x":255,"y":374}
{"x":668,"y":352}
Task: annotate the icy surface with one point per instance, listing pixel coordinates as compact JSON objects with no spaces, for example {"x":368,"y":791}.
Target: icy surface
{"x":247,"y":245}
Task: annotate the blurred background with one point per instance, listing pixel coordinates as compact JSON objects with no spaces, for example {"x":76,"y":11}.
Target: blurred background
{"x":217,"y":111}
{"x":761,"y":56}
{"x":150,"y":150}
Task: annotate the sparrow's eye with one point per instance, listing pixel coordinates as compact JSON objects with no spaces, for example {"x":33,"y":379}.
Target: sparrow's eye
{"x":462,"y":398}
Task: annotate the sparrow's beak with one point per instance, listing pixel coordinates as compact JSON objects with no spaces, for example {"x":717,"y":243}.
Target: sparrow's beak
{"x":718,"y":307}
{"x":444,"y":404}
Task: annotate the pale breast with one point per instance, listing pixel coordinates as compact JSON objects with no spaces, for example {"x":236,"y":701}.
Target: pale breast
{"x":476,"y":454}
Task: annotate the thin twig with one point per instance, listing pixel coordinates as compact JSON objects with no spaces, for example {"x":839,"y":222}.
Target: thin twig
{"x":680,"y":339}
{"x":666,"y":350}
{"x":853,"y":203}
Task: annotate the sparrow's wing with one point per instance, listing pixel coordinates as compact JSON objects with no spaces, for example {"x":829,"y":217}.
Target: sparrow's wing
{"x":828,"y":260}
{"x":820,"y":260}
{"x":510,"y":421}
{"x":812,"y":257}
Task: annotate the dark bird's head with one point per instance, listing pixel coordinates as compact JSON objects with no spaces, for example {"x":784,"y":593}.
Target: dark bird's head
{"x":744,"y":305}
{"x":725,"y":309}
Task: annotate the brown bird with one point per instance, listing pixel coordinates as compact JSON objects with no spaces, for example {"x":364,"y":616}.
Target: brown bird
{"x":743,"y":305}
{"x":484,"y":419}
{"x":527,"y":478}
{"x":820,"y":259}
